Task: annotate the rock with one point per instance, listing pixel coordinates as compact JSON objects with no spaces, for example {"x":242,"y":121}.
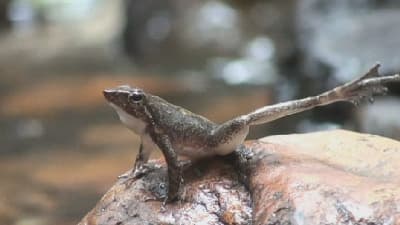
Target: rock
{"x":212,"y":195}
{"x":333,"y":177}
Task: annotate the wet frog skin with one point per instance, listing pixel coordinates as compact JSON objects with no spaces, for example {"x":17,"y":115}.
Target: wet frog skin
{"x":179,"y":132}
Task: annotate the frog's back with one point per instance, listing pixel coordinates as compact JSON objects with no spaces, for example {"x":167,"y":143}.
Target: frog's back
{"x":186,"y":129}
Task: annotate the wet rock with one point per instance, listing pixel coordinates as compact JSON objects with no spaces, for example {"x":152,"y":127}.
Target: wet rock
{"x":334,"y":177}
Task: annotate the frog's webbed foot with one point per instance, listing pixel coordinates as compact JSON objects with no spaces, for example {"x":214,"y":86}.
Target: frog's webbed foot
{"x":162,"y":194}
{"x":367,"y":86}
{"x":169,"y":191}
{"x":138,"y":171}
{"x":159,"y":191}
{"x":126,"y":174}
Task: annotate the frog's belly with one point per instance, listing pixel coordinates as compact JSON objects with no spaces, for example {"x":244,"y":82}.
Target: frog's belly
{"x":194,"y":152}
{"x":227,"y":147}
{"x":221,"y":149}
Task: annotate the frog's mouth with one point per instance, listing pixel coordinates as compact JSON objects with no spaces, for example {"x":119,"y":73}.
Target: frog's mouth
{"x":133,"y":123}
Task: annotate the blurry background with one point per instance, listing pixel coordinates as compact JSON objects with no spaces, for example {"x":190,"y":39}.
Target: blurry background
{"x":62,"y":146}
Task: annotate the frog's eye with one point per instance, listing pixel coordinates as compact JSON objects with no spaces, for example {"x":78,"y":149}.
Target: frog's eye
{"x":136,"y":97}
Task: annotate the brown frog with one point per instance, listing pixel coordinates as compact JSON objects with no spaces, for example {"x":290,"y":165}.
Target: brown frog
{"x":179,"y":132}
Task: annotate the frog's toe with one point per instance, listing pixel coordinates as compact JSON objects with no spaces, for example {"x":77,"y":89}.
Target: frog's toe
{"x":143,"y":170}
{"x":125,"y":175}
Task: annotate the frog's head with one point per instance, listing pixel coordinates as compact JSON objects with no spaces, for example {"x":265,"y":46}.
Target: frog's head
{"x":130,"y":104}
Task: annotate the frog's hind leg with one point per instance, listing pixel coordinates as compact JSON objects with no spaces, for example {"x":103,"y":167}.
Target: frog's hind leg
{"x":225,"y":138}
{"x":365,"y":87}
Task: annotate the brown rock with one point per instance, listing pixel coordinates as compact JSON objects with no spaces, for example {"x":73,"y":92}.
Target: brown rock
{"x":334,"y":177}
{"x":212,"y":195}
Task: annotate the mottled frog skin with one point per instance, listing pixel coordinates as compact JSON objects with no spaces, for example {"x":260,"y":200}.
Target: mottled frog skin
{"x":191,"y":135}
{"x":179,"y":132}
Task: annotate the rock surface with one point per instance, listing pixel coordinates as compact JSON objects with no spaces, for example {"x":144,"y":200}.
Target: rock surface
{"x":212,"y":195}
{"x":334,"y":177}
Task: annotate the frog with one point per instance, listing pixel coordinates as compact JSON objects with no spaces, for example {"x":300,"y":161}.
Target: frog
{"x":180,"y":133}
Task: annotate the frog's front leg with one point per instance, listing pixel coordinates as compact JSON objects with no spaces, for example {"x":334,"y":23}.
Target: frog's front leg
{"x":140,"y":167}
{"x":175,"y":169}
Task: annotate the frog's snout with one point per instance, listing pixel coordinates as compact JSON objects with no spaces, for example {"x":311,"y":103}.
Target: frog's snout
{"x":108,"y":94}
